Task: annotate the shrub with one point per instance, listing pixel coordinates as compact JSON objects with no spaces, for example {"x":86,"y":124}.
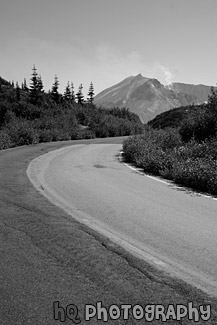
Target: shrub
{"x":5,"y":140}
{"x":22,"y":132}
{"x":162,"y":153}
{"x":198,"y":173}
{"x":45,"y":135}
{"x":86,"y":134}
{"x":199,"y":127}
{"x":27,"y":136}
{"x":59,"y":135}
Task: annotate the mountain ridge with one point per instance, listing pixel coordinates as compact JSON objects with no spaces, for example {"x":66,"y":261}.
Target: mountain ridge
{"x":147,"y":97}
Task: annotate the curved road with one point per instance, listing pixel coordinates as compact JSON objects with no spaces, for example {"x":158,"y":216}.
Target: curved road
{"x":170,"y":227}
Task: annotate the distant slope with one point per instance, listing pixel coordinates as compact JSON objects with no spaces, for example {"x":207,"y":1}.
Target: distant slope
{"x":173,"y":118}
{"x":148,"y":97}
{"x":199,"y":91}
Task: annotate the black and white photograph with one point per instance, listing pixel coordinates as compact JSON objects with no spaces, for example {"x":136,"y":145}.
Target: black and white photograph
{"x":108,"y":162}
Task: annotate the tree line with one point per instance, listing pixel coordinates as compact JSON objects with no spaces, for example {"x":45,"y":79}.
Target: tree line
{"x":29,"y":114}
{"x":36,"y":89}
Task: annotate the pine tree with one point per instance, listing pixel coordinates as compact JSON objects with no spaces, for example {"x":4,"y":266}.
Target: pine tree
{"x":12,"y":83}
{"x":54,"y":91}
{"x":79,"y":95}
{"x":33,"y":92}
{"x":17,"y":91}
{"x":212,"y":101}
{"x":67,"y":93}
{"x":91,"y":94}
{"x":25,"y":85}
{"x":40,"y":85}
{"x":72,"y":92}
{"x":36,"y":86}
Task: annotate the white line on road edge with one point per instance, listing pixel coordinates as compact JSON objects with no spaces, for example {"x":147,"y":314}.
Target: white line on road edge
{"x":36,"y":174}
{"x":167,"y":182}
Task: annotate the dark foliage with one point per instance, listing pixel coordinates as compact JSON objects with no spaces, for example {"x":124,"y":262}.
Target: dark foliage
{"x":90,"y":94}
{"x":30,"y":115}
{"x":174,"y":117}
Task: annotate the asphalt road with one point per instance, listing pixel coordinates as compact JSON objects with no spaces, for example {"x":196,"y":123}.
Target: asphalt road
{"x":172,"y":228}
{"x":47,"y":256}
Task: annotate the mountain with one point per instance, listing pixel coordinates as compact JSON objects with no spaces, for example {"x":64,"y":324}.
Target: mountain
{"x":147,"y":97}
{"x":199,"y":91}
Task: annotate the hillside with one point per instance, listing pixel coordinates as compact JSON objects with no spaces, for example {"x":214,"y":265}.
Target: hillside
{"x":174,"y":117}
{"x":147,"y":97}
{"x":199,"y":91}
{"x":29,"y":115}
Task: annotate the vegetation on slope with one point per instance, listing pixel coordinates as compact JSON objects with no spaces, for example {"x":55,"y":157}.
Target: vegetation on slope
{"x":185,"y":152}
{"x":29,"y":115}
{"x":173,"y":117}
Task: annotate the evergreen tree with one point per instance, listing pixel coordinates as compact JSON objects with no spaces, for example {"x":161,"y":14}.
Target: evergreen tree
{"x":12,"y":83}
{"x":72,"y":92}
{"x":67,"y":93}
{"x":40,"y":85}
{"x":17,"y":92}
{"x":212,"y":102}
{"x":91,"y":94}
{"x":79,"y":95}
{"x":54,"y":91}
{"x":34,"y":92}
{"x":36,"y":86}
{"x":25,"y":85}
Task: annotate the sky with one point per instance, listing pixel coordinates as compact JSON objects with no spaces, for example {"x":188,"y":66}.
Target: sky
{"x":106,"y":41}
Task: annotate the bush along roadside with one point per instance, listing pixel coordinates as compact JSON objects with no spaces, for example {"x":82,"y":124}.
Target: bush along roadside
{"x":163,"y":153}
